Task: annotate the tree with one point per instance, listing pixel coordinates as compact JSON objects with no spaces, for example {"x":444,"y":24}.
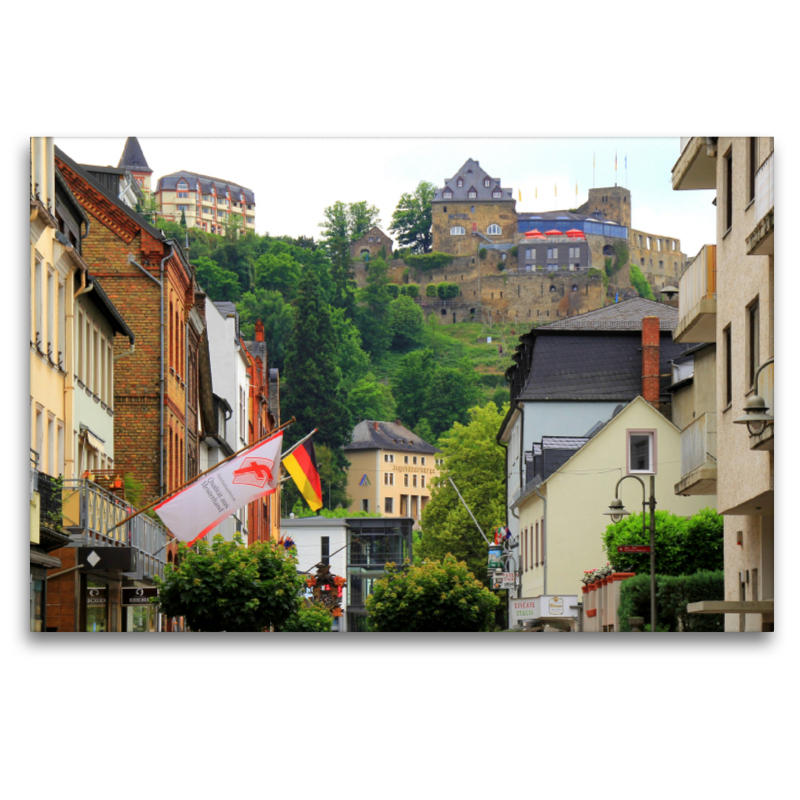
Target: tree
{"x":425,"y":432}
{"x":351,"y":358}
{"x":277,"y":271}
{"x":369,"y":399}
{"x":277,"y":316}
{"x":436,"y":596}
{"x":683,"y":546}
{"x":449,"y":394}
{"x":361,"y":217}
{"x":183,"y":219}
{"x":409,"y":382}
{"x":314,"y":393}
{"x":218,"y":282}
{"x":477,"y":465}
{"x":412,"y":220}
{"x":227,"y":586}
{"x":641,"y":284}
{"x":336,"y":239}
{"x":406,"y":321}
{"x":373,"y":317}
{"x":332,"y":478}
{"x":310,"y":618}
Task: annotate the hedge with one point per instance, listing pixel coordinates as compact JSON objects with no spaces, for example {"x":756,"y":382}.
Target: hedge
{"x":430,"y":290}
{"x":673,"y":593}
{"x":410,"y":289}
{"x":394,"y":290}
{"x":428,"y":261}
{"x":447,"y":291}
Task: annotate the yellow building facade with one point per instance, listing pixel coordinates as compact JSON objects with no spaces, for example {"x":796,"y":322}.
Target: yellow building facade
{"x":391,"y":470}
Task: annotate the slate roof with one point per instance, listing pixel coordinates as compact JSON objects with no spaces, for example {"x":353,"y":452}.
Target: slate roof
{"x":170,"y":183}
{"x":626,"y":315}
{"x":226,"y":309}
{"x":591,"y":366}
{"x":474,"y":177}
{"x":388,"y":436}
{"x":132,"y":157}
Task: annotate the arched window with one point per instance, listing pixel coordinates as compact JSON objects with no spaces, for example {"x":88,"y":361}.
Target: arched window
{"x":457,"y":230}
{"x":444,"y":312}
{"x":608,"y":250}
{"x":574,"y":287}
{"x":494,"y":230}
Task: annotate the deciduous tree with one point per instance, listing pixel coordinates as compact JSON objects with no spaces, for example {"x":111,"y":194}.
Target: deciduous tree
{"x":412,"y":220}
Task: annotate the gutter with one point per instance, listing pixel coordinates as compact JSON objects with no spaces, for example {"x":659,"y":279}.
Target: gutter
{"x":544,"y":536}
{"x":161,"y":336}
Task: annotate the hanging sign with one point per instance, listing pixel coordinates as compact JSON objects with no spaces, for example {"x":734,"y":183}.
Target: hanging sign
{"x":495,"y":556}
{"x":504,"y":580}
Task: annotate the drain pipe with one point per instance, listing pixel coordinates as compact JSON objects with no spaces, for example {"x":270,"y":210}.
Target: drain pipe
{"x":544,"y":536}
{"x":161,"y":404}
{"x":185,"y":401}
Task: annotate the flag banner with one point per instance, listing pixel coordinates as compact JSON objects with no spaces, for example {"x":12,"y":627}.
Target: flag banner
{"x":520,"y":194}
{"x":202,"y":505}
{"x":301,"y":464}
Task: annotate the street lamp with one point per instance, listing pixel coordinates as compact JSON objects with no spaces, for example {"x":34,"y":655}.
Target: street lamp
{"x":617,"y":511}
{"x":755,"y":411}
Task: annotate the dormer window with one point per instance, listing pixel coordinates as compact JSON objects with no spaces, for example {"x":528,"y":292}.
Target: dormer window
{"x":448,"y":194}
{"x":486,"y":182}
{"x":497,"y":192}
{"x":460,"y":182}
{"x":473,"y":192}
{"x":182,"y":185}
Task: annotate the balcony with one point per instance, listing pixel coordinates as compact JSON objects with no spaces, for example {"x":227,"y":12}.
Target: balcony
{"x":696,"y":167}
{"x":697,"y":299}
{"x":766,"y":389}
{"x":761,"y":242}
{"x":699,"y":457}
{"x":89,"y":514}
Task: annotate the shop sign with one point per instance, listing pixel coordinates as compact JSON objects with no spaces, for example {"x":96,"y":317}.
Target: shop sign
{"x":560,"y":605}
{"x":521,"y":609}
{"x":107,"y":558}
{"x":138,"y":595}
{"x":495,"y":557}
{"x":504,"y":580}
{"x":96,"y":595}
{"x":633,"y":548}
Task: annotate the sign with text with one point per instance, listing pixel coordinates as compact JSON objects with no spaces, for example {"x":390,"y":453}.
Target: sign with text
{"x":544,"y":607}
{"x":521,"y":609}
{"x":504,"y":580}
{"x":96,"y":596}
{"x":633,"y":548}
{"x":138,"y":595}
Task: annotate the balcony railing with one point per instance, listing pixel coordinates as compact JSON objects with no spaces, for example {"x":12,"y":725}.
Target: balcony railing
{"x":765,"y":188}
{"x":699,"y":443}
{"x":50,"y":504}
{"x":699,"y":280}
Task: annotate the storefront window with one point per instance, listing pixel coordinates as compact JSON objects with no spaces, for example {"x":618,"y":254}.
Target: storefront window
{"x":140,"y":619}
{"x":96,"y":607}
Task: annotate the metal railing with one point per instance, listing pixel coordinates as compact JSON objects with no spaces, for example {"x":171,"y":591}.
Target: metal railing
{"x":765,"y":188}
{"x":699,"y":443}
{"x":377,"y":560}
{"x":50,"y":504}
{"x":699,"y":280}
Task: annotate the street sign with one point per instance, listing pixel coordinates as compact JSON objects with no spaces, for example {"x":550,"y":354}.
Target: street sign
{"x":138,"y":595}
{"x":633,"y":548}
{"x":504,"y":580}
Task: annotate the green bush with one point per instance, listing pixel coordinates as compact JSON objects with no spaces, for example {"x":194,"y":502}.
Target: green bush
{"x":410,"y":290}
{"x":428,"y":261}
{"x":673,"y":594}
{"x":310,"y":618}
{"x":512,"y":253}
{"x":393,"y":289}
{"x":430,"y":290}
{"x":482,"y":253}
{"x":447,"y":291}
{"x":593,"y":273}
{"x":641,"y":284}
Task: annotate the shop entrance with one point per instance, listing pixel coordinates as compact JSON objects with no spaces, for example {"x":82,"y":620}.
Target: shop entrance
{"x":96,"y":607}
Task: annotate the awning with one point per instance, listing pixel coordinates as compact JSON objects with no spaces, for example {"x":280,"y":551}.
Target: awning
{"x":44,"y":560}
{"x":92,"y":440}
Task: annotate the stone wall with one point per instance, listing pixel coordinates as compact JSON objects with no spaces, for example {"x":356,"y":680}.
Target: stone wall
{"x":474,"y":217}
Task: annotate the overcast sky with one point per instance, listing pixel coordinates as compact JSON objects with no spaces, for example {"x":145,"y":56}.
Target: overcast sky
{"x":295,"y":179}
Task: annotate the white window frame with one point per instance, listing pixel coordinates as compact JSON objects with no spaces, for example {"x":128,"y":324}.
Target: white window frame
{"x":486,"y":182}
{"x":494,"y":230}
{"x":457,"y":230}
{"x":497,"y":193}
{"x":388,"y":458}
{"x":652,"y":435}
{"x":472,"y":194}
{"x":447,"y":194}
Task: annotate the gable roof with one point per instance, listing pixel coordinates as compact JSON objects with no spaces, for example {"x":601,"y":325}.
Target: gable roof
{"x":473,"y":178}
{"x":626,"y":315}
{"x":132,"y":157}
{"x":374,"y":435}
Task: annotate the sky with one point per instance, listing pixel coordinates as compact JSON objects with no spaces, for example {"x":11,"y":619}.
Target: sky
{"x":295,"y":179}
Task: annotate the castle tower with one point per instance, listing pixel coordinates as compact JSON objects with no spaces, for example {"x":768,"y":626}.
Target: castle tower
{"x":134,"y":161}
{"x":613,"y":202}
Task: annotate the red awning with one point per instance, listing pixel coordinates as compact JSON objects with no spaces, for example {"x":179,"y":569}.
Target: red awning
{"x":576,"y":234}
{"x":534,"y":234}
{"x":554,"y":233}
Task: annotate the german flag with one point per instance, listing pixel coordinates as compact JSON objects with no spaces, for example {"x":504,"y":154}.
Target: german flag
{"x":301,"y":464}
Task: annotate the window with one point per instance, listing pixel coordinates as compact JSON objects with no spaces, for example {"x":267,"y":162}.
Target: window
{"x":422,"y":460}
{"x":414,"y":482}
{"x":388,"y":479}
{"x":414,"y":460}
{"x":751,"y":172}
{"x":472,"y":194}
{"x":325,"y":548}
{"x":388,"y":505}
{"x":365,"y":505}
{"x":182,"y":186}
{"x":183,"y":194}
{"x":457,"y":230}
{"x":183,"y":207}
{"x":388,"y":458}
{"x":448,"y":194}
{"x":60,"y":356}
{"x":728,"y":191}
{"x":752,"y":344}
{"x":405,"y":459}
{"x":494,"y":230}
{"x":486,"y":182}
{"x":405,"y":480}
{"x":641,"y":451}
{"x":460,"y":182}
{"x":497,"y":193}
{"x":726,"y":335}
{"x":51,"y":310}
{"x":422,"y":481}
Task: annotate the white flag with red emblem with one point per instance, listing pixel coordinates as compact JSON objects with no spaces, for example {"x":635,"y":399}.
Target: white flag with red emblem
{"x":202,"y":505}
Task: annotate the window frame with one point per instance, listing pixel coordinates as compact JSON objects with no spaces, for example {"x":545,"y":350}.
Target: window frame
{"x":652,"y":434}
{"x":753,"y":342}
{"x":494,"y":230}
{"x":458,"y":230}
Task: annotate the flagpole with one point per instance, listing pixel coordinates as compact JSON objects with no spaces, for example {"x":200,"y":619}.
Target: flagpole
{"x":197,"y":477}
{"x":297,"y":444}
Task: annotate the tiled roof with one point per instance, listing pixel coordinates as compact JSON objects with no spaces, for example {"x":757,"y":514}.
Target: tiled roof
{"x":132,"y":157}
{"x":473,"y":178}
{"x":626,"y":315}
{"x":170,"y":183}
{"x":372,"y":435}
{"x":591,"y":366}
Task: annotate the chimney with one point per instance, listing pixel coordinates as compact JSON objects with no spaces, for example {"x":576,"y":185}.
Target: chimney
{"x":651,"y":331}
{"x":259,"y":331}
{"x":375,"y":425}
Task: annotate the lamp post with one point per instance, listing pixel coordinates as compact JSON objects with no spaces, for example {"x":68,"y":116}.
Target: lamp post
{"x":617,"y":511}
{"x":755,"y":411}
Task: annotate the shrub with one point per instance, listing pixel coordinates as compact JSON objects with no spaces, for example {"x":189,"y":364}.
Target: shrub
{"x":512,"y":253}
{"x":430,"y":290}
{"x":641,"y":284}
{"x":593,"y":272}
{"x":482,"y":253}
{"x":410,"y":290}
{"x":447,"y":291}
{"x":428,"y":261}
{"x":673,"y":594}
{"x":393,"y":289}
{"x":310,"y":618}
